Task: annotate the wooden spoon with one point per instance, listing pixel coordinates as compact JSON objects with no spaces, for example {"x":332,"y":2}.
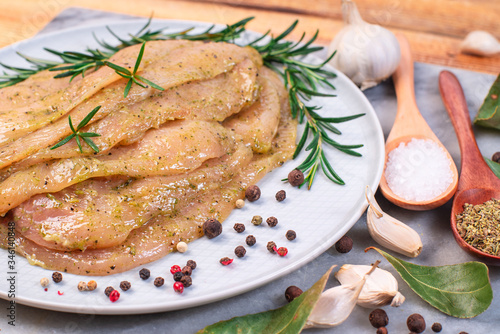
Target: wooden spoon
{"x":410,"y":124}
{"x":478,"y":183}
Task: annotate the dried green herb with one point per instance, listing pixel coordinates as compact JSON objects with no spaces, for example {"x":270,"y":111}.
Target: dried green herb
{"x":495,"y":166}
{"x":461,"y":290}
{"x":290,"y":318}
{"x":478,"y":226}
{"x":489,"y":113}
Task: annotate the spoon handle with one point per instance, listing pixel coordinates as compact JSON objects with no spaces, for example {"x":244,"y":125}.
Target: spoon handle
{"x":474,"y":167}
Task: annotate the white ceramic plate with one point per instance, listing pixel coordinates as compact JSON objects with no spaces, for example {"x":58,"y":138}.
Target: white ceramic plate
{"x":319,"y":216}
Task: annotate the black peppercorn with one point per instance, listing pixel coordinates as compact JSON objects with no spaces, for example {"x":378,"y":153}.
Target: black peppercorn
{"x":250,"y":240}
{"x":125,"y":285}
{"x":187,"y":270}
{"x":272,"y":221}
{"x":280,"y":196}
{"x":463,"y":332}
{"x":239,"y":227}
{"x":271,"y":246}
{"x":436,"y":327}
{"x":144,"y":273}
{"x":57,"y":277}
{"x":496,"y":157}
{"x":226,"y":261}
{"x":291,"y":235}
{"x":292,"y":292}
{"x":240,"y":251}
{"x":212,"y":228}
{"x":382,"y":330}
{"x":159,"y":281}
{"x":344,"y":245}
{"x":177,"y":276}
{"x":252,"y":193}
{"x":378,"y":318}
{"x":416,"y":323}
{"x":186,"y":281}
{"x":108,"y":290}
{"x":192,"y":264}
{"x":295,"y":177}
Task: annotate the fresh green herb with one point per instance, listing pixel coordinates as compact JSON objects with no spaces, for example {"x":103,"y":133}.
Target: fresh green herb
{"x":495,"y":166}
{"x":132,"y":76}
{"x":489,"y":113}
{"x":85,"y":136}
{"x":290,"y":318}
{"x":461,"y":290}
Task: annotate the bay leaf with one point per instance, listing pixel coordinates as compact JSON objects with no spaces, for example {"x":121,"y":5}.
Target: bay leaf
{"x":489,"y":112}
{"x":460,"y":290}
{"x":495,"y":166}
{"x":290,"y":318}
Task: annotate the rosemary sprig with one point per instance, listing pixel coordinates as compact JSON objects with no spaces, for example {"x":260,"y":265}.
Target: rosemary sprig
{"x":132,"y":76}
{"x":85,"y":136}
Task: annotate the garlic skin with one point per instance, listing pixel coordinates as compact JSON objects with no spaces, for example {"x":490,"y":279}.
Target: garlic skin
{"x":380,"y":289}
{"x":480,"y":43}
{"x":390,"y":232}
{"x":366,"y":53}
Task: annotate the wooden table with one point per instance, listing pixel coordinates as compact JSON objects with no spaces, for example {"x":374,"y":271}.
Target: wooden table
{"x":434,"y":27}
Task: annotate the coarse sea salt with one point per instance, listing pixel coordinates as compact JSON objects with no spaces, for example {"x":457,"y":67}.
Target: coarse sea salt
{"x":418,"y":171}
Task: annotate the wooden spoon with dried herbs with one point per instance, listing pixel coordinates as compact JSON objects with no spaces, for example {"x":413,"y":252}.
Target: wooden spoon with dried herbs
{"x":477,"y":184}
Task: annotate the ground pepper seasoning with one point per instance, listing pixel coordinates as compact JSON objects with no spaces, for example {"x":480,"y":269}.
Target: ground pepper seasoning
{"x":479,"y":226}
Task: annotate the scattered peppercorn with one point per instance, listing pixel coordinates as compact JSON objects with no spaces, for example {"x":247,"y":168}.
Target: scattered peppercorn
{"x":44,"y":282}
{"x":108,"y":290}
{"x":60,"y":293}
{"x":186,"y":281}
{"x":496,"y":157}
{"x":382,"y":330}
{"x":256,"y":220}
{"x":125,"y":285}
{"x":280,"y":196}
{"x":291,"y":235}
{"x":82,"y":286}
{"x":226,"y":261}
{"x":192,"y":264}
{"x":416,"y":323}
{"x":463,"y":332}
{"x":344,"y":245}
{"x":57,"y":277}
{"x":437,"y":327}
{"x":178,"y":287}
{"x":252,"y":193}
{"x":212,"y":228}
{"x":175,"y":268}
{"x":240,"y":203}
{"x":240,"y":251}
{"x":295,"y":178}
{"x":144,"y":273}
{"x":271,"y":246}
{"x":159,"y":281}
{"x":177,"y":276}
{"x":272,"y":221}
{"x":92,"y":285}
{"x":239,"y":227}
{"x":250,"y":240}
{"x":378,"y":318}
{"x":187,"y":270}
{"x":292,"y":292}
{"x":282,"y":251}
{"x":182,"y":247}
{"x":114,"y":296}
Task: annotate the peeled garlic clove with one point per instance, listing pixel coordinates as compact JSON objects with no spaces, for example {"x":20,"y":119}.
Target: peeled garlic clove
{"x":390,"y":232}
{"x":366,"y":53}
{"x":381,"y":287}
{"x":336,"y":304}
{"x":480,"y":43}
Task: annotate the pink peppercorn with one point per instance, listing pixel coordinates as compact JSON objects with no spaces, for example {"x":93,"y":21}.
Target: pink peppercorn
{"x":178,"y":287}
{"x":114,"y":296}
{"x":175,"y":268}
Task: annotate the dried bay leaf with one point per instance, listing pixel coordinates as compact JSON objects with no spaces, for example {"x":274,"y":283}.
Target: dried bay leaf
{"x":495,"y":166}
{"x":489,"y":113}
{"x":290,"y":318}
{"x":460,"y":290}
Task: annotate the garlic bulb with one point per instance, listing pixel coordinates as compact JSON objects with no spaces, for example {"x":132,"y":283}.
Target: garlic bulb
{"x":336,"y":304}
{"x":480,"y":43}
{"x":366,"y":53}
{"x":381,"y":287}
{"x":390,"y":232}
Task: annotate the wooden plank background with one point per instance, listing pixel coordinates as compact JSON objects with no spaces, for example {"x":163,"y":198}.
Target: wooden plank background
{"x":434,"y":28}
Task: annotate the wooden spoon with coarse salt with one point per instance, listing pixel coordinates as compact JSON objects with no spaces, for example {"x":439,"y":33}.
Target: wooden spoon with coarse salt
{"x":410,"y":124}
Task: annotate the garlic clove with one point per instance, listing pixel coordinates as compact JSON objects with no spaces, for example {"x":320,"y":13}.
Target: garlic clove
{"x":336,"y":304}
{"x":380,"y":289}
{"x":480,"y":43}
{"x":390,"y":232}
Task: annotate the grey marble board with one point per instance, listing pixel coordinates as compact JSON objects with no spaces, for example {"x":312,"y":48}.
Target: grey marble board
{"x":439,"y":246}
